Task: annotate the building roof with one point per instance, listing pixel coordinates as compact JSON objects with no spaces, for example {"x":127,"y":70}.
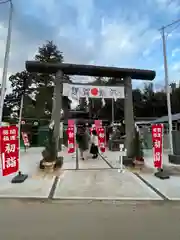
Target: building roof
{"x":90,"y":70}
{"x":175,"y":117}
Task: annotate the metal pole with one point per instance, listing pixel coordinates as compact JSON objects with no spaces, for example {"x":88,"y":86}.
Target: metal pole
{"x":6,"y":61}
{"x":168,"y":91}
{"x":20,"y":118}
{"x":112,"y":110}
{"x":19,"y":178}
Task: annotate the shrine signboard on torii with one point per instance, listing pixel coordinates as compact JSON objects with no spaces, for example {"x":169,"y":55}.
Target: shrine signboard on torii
{"x":76,"y":91}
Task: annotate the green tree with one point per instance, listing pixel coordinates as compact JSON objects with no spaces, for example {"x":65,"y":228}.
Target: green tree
{"x":39,"y":87}
{"x":19,"y":82}
{"x":45,"y":82}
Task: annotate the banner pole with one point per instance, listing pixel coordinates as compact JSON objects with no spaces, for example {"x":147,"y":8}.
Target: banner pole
{"x":19,"y":178}
{"x":76,"y":147}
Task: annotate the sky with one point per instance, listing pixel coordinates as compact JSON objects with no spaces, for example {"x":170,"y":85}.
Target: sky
{"x":101,"y":32}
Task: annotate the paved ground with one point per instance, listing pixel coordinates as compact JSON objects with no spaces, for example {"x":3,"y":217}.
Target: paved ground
{"x":112,"y":158}
{"x":169,"y":188}
{"x":100,"y":182}
{"x":70,"y":161}
{"x":83,"y":220}
{"x":103,"y":184}
{"x":38,"y":184}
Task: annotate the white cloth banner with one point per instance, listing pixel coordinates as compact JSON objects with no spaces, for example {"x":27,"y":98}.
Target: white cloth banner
{"x":88,"y":91}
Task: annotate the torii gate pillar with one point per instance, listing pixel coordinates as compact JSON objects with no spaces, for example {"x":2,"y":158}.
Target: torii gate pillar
{"x":129,"y":116}
{"x":56,"y":114}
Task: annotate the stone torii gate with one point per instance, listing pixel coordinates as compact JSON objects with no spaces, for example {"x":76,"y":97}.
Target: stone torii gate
{"x":96,"y":71}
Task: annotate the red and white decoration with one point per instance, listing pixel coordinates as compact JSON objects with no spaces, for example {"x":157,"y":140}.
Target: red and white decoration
{"x":25,"y":139}
{"x":101,"y":134}
{"x":9,"y":149}
{"x":71,"y":136}
{"x":102,"y":139}
{"x":88,"y":91}
{"x":157,"y":139}
{"x":98,"y":123}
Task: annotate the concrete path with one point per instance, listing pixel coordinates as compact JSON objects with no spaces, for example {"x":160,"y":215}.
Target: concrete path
{"x":31,"y":188}
{"x":85,"y":220}
{"x":69,"y":161}
{"x":38,"y":184}
{"x":99,"y":182}
{"x":113,"y":158}
{"x":102,"y":184}
{"x":170,"y":188}
{"x":88,"y":163}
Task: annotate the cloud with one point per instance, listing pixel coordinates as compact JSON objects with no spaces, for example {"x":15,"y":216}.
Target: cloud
{"x":169,"y":6}
{"x":90,"y":31}
{"x":124,"y":38}
{"x":176,"y":66}
{"x":175,"y":52}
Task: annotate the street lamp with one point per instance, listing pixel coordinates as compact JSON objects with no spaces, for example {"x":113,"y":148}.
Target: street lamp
{"x":167,"y":86}
{"x":6,"y":58}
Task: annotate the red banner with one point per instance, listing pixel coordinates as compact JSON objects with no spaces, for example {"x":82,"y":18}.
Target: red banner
{"x":71,"y":136}
{"x":102,"y":139}
{"x":25,"y":139}
{"x":98,"y":123}
{"x":157,"y":139}
{"x":9,"y":149}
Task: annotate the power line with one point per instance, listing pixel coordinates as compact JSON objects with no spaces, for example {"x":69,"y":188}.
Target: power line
{"x":172,"y":30}
{"x":4,"y":1}
{"x":169,"y":25}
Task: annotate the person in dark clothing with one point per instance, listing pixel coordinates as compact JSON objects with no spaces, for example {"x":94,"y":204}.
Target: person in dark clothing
{"x":82,"y":139}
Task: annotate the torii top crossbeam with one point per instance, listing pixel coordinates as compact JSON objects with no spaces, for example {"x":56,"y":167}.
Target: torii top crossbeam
{"x":90,"y":70}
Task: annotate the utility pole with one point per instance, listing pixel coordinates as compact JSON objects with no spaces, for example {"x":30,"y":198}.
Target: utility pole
{"x":6,"y":59}
{"x":168,"y":91}
{"x":167,"y":86}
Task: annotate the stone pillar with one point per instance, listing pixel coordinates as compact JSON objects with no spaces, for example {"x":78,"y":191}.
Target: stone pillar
{"x":57,"y":109}
{"x":53,"y":105}
{"x":128,"y":116}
